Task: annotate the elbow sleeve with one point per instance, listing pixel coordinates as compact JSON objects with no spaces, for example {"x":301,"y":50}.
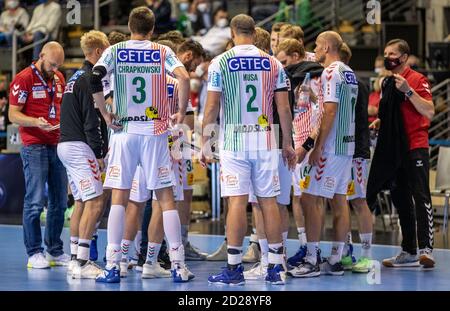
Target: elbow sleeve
{"x":98,"y":73}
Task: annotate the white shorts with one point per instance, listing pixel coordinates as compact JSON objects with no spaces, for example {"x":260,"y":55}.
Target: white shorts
{"x":285,"y":175}
{"x":177,"y":178}
{"x":139,"y":192}
{"x":129,"y":150}
{"x":328,"y":178}
{"x":188,"y":174}
{"x":357,"y":187}
{"x":82,"y":170}
{"x":240,"y":170}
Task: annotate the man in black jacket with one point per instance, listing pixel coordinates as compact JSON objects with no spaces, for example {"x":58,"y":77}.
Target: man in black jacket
{"x":81,"y":151}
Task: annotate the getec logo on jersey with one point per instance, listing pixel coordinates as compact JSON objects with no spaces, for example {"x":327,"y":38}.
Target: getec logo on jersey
{"x":138,"y":56}
{"x":350,"y":77}
{"x":248,"y":64}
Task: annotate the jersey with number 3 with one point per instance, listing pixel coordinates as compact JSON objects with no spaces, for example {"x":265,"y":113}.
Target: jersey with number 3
{"x":247,"y":79}
{"x":339,"y":86}
{"x":140,"y":84}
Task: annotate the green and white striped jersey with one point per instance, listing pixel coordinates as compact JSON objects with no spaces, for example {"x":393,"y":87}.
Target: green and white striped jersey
{"x":339,"y":86}
{"x":247,"y":78}
{"x":140,"y":84}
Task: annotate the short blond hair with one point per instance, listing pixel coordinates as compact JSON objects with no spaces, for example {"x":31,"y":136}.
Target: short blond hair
{"x":262,"y":39}
{"x":92,"y":40}
{"x":292,"y":32}
{"x":345,"y":53}
{"x":291,"y":46}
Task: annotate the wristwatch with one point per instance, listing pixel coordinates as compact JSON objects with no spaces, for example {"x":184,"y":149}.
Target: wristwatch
{"x":409,"y":93}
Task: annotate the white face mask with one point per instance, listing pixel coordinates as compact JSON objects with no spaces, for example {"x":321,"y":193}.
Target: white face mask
{"x":199,"y":72}
{"x":184,"y":6}
{"x":202,"y":7}
{"x":378,"y":70}
{"x":222,"y":23}
{"x":12,"y":4}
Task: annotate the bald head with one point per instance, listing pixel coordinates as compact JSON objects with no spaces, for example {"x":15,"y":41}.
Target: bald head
{"x":328,"y":43}
{"x":242,"y":25}
{"x":50,"y":58}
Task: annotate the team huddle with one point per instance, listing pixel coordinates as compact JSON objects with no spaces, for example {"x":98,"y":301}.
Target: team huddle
{"x":287,"y":121}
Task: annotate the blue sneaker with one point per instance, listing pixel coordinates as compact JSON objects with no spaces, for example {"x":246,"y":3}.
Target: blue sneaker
{"x":181,"y":274}
{"x":109,"y":276}
{"x":93,"y":252}
{"x":228,"y":277}
{"x":276,"y":275}
{"x":298,"y":257}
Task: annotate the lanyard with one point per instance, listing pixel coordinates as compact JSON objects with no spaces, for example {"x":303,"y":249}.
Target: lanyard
{"x":50,"y":90}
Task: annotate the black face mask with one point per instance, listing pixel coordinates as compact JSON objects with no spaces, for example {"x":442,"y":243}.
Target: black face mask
{"x":392,"y":63}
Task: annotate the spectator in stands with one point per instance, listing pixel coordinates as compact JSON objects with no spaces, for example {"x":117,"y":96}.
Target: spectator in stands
{"x":200,"y":16}
{"x":45,"y":21}
{"x":413,"y":62}
{"x":215,"y":40}
{"x":379,"y":64}
{"x":14,"y":17}
{"x":163,"y":11}
{"x":35,"y":102}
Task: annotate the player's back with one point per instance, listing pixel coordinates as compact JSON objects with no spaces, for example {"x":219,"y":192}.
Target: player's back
{"x":247,"y":78}
{"x":140,"y":84}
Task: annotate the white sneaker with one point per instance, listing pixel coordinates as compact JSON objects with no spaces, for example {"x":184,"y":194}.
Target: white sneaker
{"x":72,"y":264}
{"x":62,"y":260}
{"x":124,"y":268}
{"x":181,"y":273}
{"x":257,"y":272}
{"x":89,"y":271}
{"x":426,"y":258}
{"x":133,"y":263}
{"x":253,"y":254}
{"x":38,"y":261}
{"x":220,"y":254}
{"x":151,"y":271}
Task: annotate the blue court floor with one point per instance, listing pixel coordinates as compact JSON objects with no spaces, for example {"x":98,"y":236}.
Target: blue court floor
{"x":15,"y":276}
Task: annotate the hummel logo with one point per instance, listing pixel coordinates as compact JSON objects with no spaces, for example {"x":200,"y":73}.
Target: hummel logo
{"x":16,"y":87}
{"x":15,"y":93}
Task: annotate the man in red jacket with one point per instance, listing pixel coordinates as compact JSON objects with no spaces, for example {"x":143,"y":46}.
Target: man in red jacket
{"x":35,"y":101}
{"x":412,"y":179}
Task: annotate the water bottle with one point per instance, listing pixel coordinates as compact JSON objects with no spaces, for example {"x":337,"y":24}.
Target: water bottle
{"x":304,"y":92}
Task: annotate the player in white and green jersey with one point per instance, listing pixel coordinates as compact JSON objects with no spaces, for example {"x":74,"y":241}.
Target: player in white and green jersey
{"x":141,"y":106}
{"x":331,"y":158}
{"x":243,"y":83}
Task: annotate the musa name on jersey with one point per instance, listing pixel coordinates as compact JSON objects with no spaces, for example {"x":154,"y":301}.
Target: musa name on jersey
{"x":339,"y":85}
{"x":247,"y":79}
{"x":140,"y":84}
